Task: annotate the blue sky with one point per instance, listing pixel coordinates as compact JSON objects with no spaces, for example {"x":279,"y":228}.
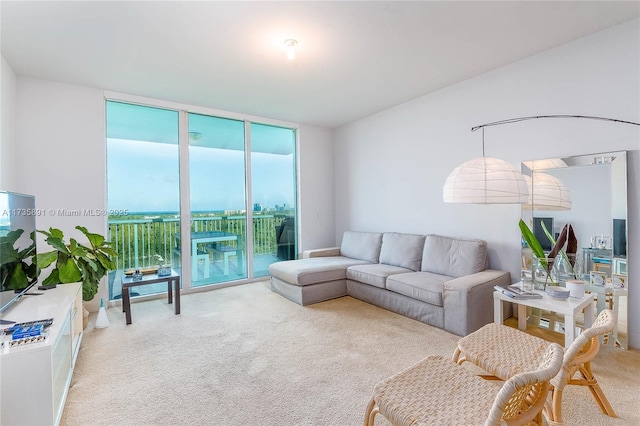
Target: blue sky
{"x":143,"y":161}
{"x":144,"y":176}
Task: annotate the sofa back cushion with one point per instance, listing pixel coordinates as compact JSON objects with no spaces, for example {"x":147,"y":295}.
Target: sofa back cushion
{"x":361,"y":245}
{"x":404,"y":250}
{"x":454,"y":257}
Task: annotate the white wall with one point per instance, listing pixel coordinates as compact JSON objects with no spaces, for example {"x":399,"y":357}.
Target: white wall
{"x":61,"y":136}
{"x":315,"y":168}
{"x":390,"y":167}
{"x":60,"y":156}
{"x":7,"y":118}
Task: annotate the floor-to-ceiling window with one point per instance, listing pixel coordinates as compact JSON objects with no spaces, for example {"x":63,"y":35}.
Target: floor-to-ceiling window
{"x":237,"y":173}
{"x":143,"y":188}
{"x":273,"y":192}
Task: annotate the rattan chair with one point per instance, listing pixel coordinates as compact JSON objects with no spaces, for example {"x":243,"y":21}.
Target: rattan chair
{"x":437,"y":391}
{"x":578,"y":358}
{"x":504,"y":351}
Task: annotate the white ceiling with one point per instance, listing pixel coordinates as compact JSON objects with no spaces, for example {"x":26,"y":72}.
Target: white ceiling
{"x":354,"y":58}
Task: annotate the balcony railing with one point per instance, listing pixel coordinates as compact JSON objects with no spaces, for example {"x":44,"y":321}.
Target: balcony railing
{"x":140,"y":242}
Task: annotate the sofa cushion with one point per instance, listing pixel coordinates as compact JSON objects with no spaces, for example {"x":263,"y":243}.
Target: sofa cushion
{"x":404,"y":250}
{"x":313,"y":270}
{"x":375,"y":275}
{"x":454,"y":257}
{"x":361,"y":245}
{"x":424,"y":286}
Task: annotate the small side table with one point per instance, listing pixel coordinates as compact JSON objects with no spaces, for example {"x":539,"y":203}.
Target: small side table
{"x":128,"y":282}
{"x":569,"y":308}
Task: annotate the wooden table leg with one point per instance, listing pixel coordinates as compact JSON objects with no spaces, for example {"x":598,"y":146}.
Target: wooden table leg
{"x":126,"y":304}
{"x":522,"y":317}
{"x":170,"y":297}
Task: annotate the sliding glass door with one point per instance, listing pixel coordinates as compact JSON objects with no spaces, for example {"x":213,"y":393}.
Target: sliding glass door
{"x":235,"y":181}
{"x":217,"y":199}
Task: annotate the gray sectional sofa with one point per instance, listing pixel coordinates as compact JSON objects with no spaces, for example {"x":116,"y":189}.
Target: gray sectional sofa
{"x":438,"y":280}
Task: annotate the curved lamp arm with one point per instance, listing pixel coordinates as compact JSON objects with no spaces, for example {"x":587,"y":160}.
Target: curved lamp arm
{"x":518,"y":119}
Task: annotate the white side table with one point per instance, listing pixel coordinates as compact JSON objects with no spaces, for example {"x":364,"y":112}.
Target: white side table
{"x":569,"y":308}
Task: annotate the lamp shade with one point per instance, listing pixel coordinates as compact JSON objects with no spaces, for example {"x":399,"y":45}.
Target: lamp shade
{"x":549,"y":163}
{"x":547,"y":192}
{"x":485,"y":180}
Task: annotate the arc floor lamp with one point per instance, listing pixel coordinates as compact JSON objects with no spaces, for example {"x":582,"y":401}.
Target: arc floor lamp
{"x":489,"y":180}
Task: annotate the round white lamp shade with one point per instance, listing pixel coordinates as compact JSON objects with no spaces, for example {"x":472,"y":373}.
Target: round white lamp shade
{"x":485,"y":180}
{"x":547,"y":192}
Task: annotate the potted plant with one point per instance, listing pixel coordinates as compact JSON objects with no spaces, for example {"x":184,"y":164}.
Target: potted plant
{"x":547,"y":261}
{"x":75,"y":262}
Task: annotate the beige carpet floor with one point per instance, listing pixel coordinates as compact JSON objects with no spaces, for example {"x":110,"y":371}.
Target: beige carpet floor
{"x":244,"y":355}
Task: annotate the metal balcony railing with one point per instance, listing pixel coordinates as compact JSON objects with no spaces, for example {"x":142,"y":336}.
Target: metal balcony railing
{"x":148,"y":242}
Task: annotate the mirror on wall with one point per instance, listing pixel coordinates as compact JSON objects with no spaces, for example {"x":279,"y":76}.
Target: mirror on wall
{"x":589,"y":192}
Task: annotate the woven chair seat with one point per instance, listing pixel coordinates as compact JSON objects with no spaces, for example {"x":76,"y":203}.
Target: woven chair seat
{"x":500,"y":350}
{"x":504,"y":352}
{"x":436,"y":391}
{"x":450,"y":396}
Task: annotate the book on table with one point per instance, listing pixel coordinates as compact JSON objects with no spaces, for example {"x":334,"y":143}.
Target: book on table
{"x":516,"y":292}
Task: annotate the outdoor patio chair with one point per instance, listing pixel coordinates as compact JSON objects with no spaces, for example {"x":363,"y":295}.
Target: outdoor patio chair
{"x":437,"y":391}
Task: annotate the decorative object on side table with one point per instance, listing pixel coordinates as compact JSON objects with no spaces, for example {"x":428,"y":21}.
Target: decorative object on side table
{"x":163,"y":270}
{"x":598,"y":278}
{"x":576,"y":288}
{"x":619,"y":281}
{"x":557,"y":292}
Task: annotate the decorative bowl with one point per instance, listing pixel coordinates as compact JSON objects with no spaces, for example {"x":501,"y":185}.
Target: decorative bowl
{"x":557,"y":292}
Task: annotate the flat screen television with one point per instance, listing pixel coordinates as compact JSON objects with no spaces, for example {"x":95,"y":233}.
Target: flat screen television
{"x":539,"y":232}
{"x":18,"y":267}
{"x":619,"y":237}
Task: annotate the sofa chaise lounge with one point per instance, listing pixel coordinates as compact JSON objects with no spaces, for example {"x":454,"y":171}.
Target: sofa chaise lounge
{"x":441,"y":281}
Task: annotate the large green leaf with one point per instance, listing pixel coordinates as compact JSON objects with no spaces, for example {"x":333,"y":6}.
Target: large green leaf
{"x":69,"y":272}
{"x":53,"y":278}
{"x":46,"y":259}
{"x":57,"y":244}
{"x":18,"y":278}
{"x":8,"y":254}
{"x":95,"y":240}
{"x":531,"y":240}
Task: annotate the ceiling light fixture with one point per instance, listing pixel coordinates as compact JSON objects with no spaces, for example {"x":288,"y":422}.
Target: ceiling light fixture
{"x":291,"y":44}
{"x":493,"y":181}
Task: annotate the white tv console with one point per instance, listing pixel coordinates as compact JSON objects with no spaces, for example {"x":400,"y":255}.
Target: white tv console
{"x":35,"y":378}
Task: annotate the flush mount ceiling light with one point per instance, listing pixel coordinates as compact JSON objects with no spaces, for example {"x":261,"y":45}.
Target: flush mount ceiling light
{"x":290,"y":44}
{"x":493,"y":181}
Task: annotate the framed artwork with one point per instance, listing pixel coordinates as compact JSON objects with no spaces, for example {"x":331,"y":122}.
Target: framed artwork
{"x":619,"y":281}
{"x":598,"y":278}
